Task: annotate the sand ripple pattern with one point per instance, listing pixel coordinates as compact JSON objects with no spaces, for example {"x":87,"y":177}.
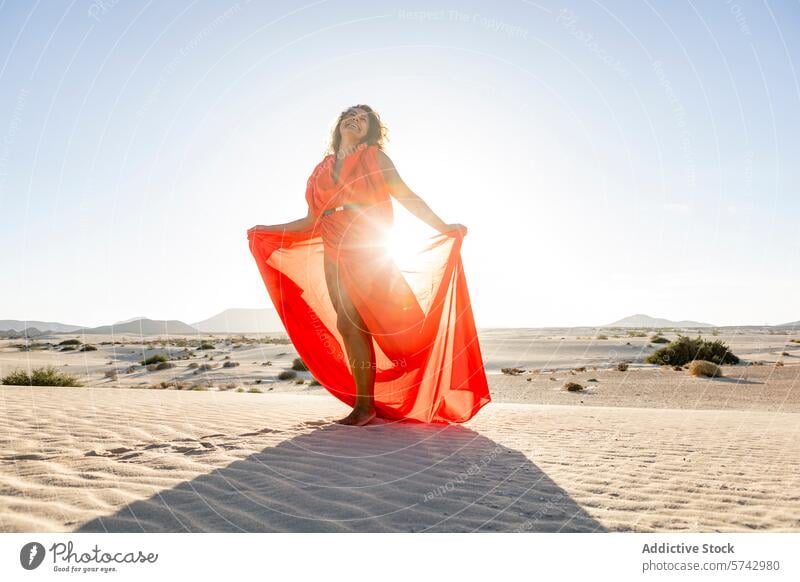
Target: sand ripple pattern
{"x":98,"y":459}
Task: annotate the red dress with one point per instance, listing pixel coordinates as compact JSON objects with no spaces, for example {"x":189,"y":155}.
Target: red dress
{"x":428,"y":360}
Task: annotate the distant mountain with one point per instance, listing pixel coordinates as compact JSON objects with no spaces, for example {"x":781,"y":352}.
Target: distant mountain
{"x":129,"y":320}
{"x":793,"y":325}
{"x":143,"y":327}
{"x":642,"y":320}
{"x":17,"y":325}
{"x":239,"y":320}
{"x":28,"y":332}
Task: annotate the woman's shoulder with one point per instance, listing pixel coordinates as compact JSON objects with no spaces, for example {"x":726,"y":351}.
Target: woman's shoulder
{"x":383,"y":160}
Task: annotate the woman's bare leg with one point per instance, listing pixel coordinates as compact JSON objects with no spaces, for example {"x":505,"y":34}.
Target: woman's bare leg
{"x":358,"y":346}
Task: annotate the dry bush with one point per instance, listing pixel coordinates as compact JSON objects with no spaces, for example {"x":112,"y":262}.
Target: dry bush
{"x":704,"y":368}
{"x":685,"y":349}
{"x":48,"y":376}
{"x":622,"y":367}
{"x":573,"y":387}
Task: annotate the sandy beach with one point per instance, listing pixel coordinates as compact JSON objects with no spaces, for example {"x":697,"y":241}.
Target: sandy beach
{"x":650,"y":449}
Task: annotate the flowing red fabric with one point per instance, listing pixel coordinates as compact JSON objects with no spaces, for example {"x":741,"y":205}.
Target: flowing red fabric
{"x":428,"y":364}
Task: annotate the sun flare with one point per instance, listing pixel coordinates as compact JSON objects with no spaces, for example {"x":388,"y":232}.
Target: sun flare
{"x":402,"y":246}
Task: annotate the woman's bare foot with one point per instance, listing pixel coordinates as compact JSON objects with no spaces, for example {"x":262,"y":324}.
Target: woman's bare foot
{"x":359,"y":417}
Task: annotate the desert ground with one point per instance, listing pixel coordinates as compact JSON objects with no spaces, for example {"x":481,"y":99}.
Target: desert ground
{"x":233,"y":448}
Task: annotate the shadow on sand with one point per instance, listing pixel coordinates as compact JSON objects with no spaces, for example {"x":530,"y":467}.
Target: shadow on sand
{"x":392,"y":477}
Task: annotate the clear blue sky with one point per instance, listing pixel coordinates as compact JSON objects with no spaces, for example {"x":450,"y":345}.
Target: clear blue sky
{"x":608,"y":158}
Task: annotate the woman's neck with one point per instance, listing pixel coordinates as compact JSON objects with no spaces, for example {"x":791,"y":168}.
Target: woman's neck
{"x":346,"y":148}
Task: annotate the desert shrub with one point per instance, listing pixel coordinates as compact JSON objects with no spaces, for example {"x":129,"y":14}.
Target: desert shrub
{"x":636,"y":334}
{"x":110,"y":374}
{"x":204,"y":368}
{"x":685,"y":349}
{"x":299,"y":381}
{"x":659,"y":340}
{"x":130,"y":369}
{"x":88,"y":348}
{"x":198,"y":387}
{"x":512,"y":371}
{"x":622,"y":366}
{"x":254,"y":390}
{"x":314,"y":382}
{"x":49,"y":376}
{"x":299,"y":365}
{"x":601,"y":336}
{"x":193,"y":365}
{"x":154,"y":359}
{"x":230,"y":364}
{"x":240,"y":389}
{"x":164,"y":365}
{"x":171,"y":386}
{"x":205,"y":346}
{"x":67,"y":348}
{"x":70,"y":342}
{"x":704,"y":368}
{"x":32,"y":346}
{"x":287,"y":375}
{"x":573,"y":387}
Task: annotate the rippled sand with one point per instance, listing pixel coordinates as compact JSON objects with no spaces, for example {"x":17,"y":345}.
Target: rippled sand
{"x":105,"y":459}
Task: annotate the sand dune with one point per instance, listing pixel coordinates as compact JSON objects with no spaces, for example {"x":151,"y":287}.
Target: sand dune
{"x":104,"y":459}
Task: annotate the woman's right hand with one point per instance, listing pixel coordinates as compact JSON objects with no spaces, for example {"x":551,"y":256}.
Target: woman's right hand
{"x":295,"y":226}
{"x":260,"y":228}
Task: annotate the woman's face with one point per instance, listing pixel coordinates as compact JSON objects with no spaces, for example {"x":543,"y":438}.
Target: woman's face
{"x":356,"y":123}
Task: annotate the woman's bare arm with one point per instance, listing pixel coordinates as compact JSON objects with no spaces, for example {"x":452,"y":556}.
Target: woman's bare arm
{"x":413,"y":203}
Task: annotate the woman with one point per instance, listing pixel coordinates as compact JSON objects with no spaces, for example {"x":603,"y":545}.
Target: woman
{"x":410,"y":335}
